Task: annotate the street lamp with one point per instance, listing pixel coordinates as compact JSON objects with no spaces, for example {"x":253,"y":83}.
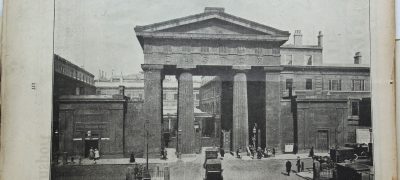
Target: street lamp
{"x":178,"y":143}
{"x":254,"y":135}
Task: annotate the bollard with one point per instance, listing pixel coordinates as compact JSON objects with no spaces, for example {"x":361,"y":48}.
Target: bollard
{"x":316,"y":170}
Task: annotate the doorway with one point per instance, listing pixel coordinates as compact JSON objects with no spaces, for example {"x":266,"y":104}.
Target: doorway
{"x":90,"y":144}
{"x":322,"y":140}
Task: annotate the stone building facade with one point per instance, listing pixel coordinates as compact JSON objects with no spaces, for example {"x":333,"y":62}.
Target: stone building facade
{"x":328,"y":102}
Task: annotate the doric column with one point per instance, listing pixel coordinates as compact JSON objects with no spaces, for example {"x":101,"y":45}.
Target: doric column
{"x":273,"y":107}
{"x":153,"y":77}
{"x":186,"y":112}
{"x":240,"y":133}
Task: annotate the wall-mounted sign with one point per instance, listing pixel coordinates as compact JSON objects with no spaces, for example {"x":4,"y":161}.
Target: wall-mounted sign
{"x":288,"y":147}
{"x":363,"y":136}
{"x":90,"y":126}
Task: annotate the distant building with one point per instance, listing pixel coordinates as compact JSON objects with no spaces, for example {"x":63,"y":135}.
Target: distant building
{"x":70,"y":79}
{"x":134,"y":89}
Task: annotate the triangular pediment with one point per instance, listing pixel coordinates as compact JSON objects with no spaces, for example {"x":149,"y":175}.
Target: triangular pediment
{"x":213,"y":26}
{"x":212,"y":21}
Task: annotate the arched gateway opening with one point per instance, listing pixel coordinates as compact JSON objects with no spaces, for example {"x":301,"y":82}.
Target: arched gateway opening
{"x":243,"y":54}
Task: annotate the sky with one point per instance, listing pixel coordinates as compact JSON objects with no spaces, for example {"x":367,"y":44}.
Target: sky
{"x":99,"y":34}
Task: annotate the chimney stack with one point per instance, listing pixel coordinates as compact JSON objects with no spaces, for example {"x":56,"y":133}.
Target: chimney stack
{"x":320,"y":40}
{"x":357,"y":58}
{"x":214,"y":10}
{"x":298,"y":38}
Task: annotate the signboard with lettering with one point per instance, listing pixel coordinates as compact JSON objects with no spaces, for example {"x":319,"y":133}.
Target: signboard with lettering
{"x":363,"y":136}
{"x":90,"y":126}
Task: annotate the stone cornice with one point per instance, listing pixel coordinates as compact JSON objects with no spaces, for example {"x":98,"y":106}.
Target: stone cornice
{"x":326,"y":68}
{"x":241,"y":67}
{"x":273,"y":68}
{"x":149,"y":67}
{"x":236,"y":37}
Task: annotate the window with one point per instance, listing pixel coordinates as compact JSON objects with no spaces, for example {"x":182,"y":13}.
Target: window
{"x":289,"y":83}
{"x":357,"y":85}
{"x":289,"y":59}
{"x":308,"y":60}
{"x":197,"y":96}
{"x":308,"y":84}
{"x":354,"y":108}
{"x":167,"y":48}
{"x":186,"y":48}
{"x":223,"y":49}
{"x":240,"y":49}
{"x":175,"y":96}
{"x":335,"y":85}
{"x":205,"y":49}
{"x":258,"y":51}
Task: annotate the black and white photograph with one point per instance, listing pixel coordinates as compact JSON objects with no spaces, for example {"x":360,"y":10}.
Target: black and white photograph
{"x":206,"y":90}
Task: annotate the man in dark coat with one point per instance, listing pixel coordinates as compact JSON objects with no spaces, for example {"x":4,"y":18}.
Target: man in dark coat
{"x":298,"y":164}
{"x":288,"y":167}
{"x":312,"y":152}
{"x":132,"y":159}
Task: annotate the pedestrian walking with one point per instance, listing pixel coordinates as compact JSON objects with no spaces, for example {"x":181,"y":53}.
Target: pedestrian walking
{"x":288,"y":167}
{"x":273,"y":152}
{"x":311,"y":152}
{"x":259,"y":153}
{"x":165,"y":154}
{"x":132,"y":158}
{"x":298,"y":164}
{"x":96,"y":154}
{"x":91,"y":153}
{"x":222,"y":152}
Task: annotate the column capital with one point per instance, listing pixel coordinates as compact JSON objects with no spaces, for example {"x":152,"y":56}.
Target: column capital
{"x":150,"y":67}
{"x":273,"y":68}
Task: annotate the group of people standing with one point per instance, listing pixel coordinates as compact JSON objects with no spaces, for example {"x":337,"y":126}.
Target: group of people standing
{"x":261,"y":152}
{"x":299,"y":165}
{"x":94,"y":154}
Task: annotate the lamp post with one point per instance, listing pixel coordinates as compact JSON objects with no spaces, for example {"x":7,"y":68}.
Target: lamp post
{"x":147,"y":135}
{"x":197,"y":136}
{"x":178,"y":143}
{"x":254,"y":135}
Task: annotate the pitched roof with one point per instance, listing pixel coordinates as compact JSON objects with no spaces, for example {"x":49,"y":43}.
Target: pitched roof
{"x":255,"y":30}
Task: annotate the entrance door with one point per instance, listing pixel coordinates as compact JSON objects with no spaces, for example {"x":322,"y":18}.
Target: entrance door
{"x":322,"y":140}
{"x":90,"y":144}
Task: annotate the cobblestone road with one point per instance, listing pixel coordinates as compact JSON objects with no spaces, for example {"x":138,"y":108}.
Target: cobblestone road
{"x":236,"y":169}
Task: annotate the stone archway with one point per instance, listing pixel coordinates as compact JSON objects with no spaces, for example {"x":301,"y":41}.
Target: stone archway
{"x":212,"y":43}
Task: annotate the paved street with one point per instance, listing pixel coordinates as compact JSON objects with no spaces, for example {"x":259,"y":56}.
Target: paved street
{"x":190,"y":167}
{"x":236,"y":169}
